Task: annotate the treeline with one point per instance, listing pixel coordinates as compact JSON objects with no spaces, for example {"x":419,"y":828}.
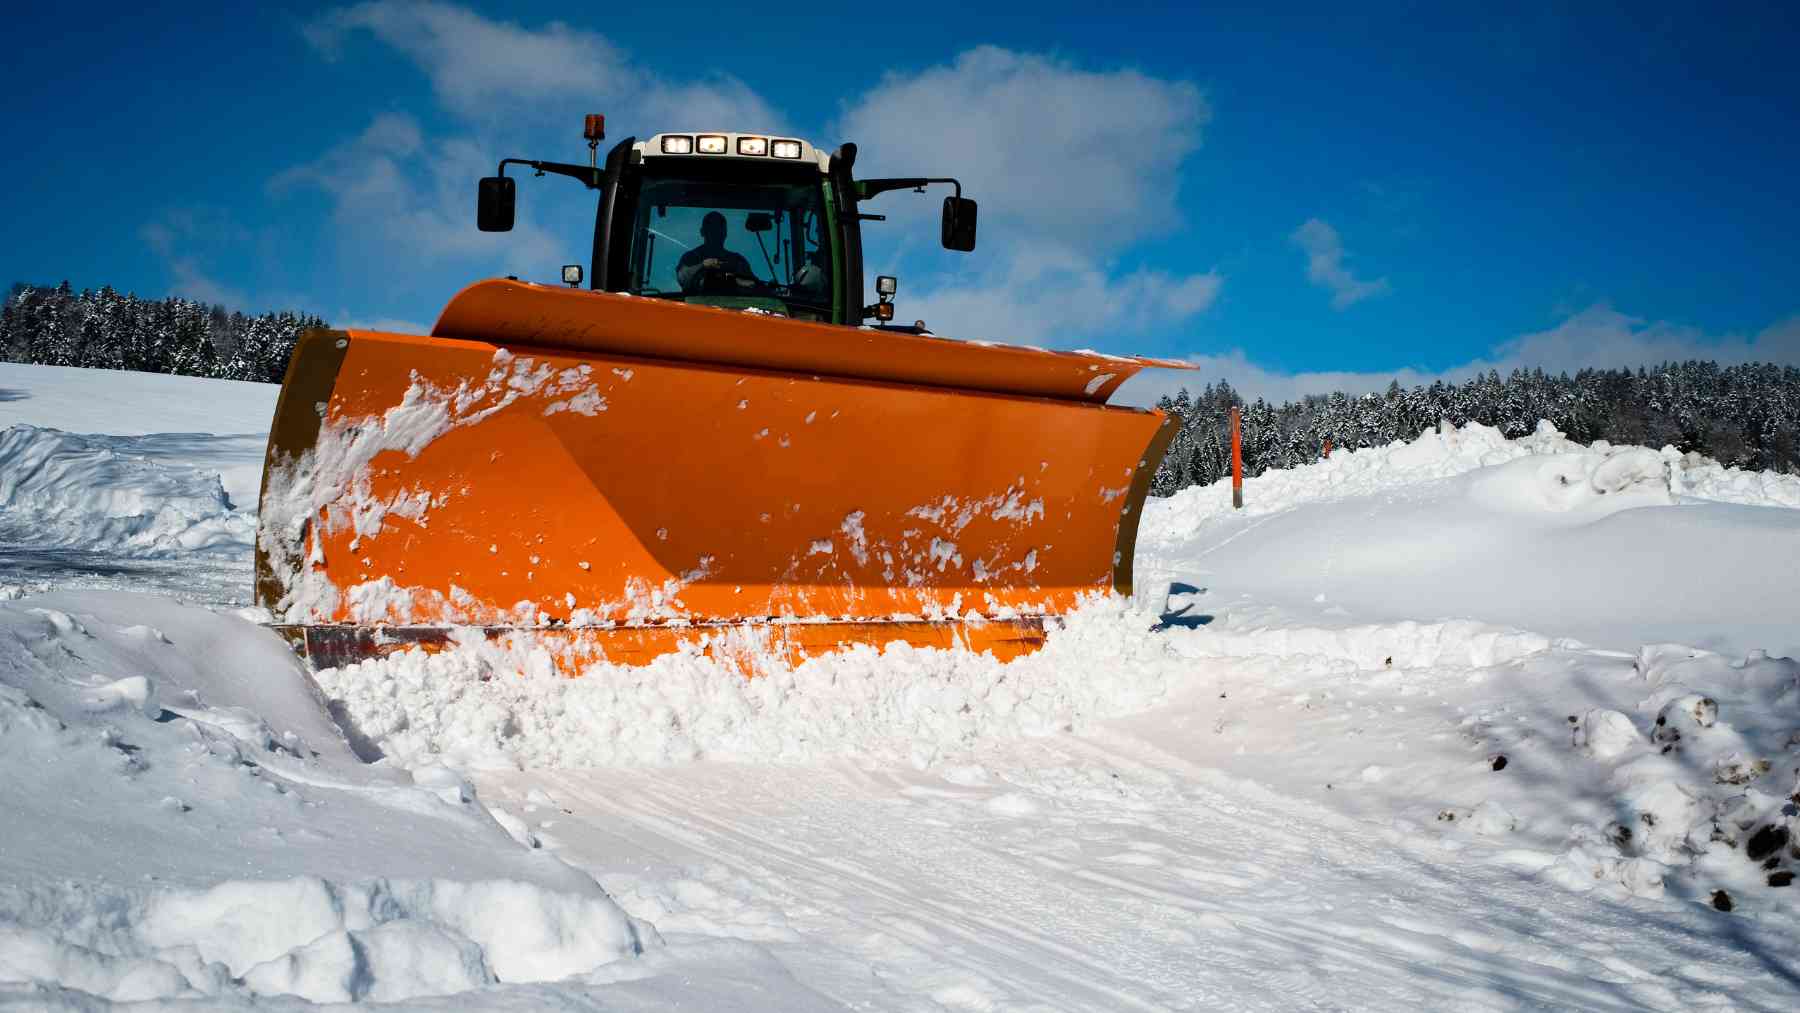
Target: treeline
{"x":1745,"y":416}
{"x":105,"y":330}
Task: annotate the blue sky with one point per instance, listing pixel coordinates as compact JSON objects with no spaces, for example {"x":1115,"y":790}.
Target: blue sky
{"x":1295,"y":201}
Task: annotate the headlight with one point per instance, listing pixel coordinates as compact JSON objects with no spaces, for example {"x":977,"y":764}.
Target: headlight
{"x":711,"y":144}
{"x":677,"y":144}
{"x":785,"y":149}
{"x":753,"y":145}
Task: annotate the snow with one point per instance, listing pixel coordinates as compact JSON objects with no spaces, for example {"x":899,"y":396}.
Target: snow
{"x":194,"y":824}
{"x":216,"y":425}
{"x":131,"y":404}
{"x":902,"y":704}
{"x":1457,"y":723}
{"x":160,"y":498}
{"x":60,"y":490}
{"x":1612,"y":546}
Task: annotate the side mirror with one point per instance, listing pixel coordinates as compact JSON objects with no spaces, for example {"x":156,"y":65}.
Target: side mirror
{"x":959,"y":224}
{"x":494,"y":206}
{"x":758,"y":221}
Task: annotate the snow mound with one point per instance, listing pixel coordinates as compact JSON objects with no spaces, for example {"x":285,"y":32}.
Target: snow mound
{"x":1612,"y":546}
{"x":65,"y":491}
{"x":484,"y":705}
{"x":1584,"y":472}
{"x":182,"y":819}
{"x":381,"y":940}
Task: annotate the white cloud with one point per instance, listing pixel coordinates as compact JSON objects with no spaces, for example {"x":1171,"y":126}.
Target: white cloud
{"x":475,"y":63}
{"x":1069,"y":166}
{"x":1252,"y":381}
{"x":396,"y":196}
{"x":483,"y":68}
{"x":1601,"y":336}
{"x":1088,"y":159}
{"x":402,"y":200}
{"x":1325,"y":265}
{"x":1598,"y":337}
{"x":1054,"y":297}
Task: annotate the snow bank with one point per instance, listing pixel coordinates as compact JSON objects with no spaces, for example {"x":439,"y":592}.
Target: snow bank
{"x":1448,"y":452}
{"x":1614,"y":546}
{"x":100,"y":493}
{"x":380,"y":940}
{"x":182,"y":818}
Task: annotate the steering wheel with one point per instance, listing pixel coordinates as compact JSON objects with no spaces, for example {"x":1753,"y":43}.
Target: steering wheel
{"x":724,"y":281}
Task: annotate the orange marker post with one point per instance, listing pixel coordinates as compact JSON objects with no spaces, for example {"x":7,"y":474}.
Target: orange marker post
{"x":1237,"y":460}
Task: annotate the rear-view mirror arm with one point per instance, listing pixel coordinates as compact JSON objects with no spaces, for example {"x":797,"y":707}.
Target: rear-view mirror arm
{"x":869,"y":188}
{"x":590,"y":176}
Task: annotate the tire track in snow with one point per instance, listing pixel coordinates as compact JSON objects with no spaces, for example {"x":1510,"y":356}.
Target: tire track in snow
{"x":790,"y":864}
{"x":1494,"y":962}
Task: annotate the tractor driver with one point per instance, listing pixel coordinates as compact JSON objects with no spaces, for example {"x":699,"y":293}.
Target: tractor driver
{"x":711,"y":260}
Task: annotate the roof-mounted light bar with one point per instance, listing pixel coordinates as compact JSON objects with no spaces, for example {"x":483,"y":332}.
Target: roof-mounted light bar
{"x":749,"y":145}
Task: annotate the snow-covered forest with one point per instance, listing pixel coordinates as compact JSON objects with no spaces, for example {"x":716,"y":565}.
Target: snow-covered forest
{"x":106,"y":330}
{"x":1745,"y":416}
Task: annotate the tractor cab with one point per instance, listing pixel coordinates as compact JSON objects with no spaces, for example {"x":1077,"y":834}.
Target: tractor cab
{"x":740,"y":230}
{"x":737,"y":220}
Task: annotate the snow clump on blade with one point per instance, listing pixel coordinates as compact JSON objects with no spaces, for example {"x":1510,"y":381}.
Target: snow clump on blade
{"x":488,"y":705}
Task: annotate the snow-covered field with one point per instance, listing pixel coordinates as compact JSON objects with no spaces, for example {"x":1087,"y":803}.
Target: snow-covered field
{"x":1461,"y":723}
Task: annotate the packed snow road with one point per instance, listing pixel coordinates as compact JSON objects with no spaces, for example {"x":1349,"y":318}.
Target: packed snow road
{"x":1461,"y":723}
{"x":1116,"y":874}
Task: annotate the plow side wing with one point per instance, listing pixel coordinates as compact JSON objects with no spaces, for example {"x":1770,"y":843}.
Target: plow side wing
{"x":436,"y":482}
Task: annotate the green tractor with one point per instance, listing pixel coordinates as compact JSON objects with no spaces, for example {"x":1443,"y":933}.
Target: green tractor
{"x":736,"y":220}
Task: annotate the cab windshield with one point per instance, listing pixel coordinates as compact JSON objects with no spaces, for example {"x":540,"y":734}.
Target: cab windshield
{"x":734,"y":243}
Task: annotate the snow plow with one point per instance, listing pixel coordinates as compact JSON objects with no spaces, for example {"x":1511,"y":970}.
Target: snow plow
{"x":700,"y":450}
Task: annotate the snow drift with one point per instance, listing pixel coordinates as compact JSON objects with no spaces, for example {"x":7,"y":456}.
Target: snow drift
{"x":1448,"y":452}
{"x":104,"y":493}
{"x":246,"y":850}
{"x":1614,"y":546}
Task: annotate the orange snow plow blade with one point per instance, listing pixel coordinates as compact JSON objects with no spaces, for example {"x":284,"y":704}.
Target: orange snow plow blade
{"x":620,"y":478}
